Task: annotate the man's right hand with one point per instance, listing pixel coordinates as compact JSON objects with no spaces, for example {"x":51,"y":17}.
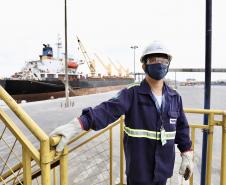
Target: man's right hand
{"x":67,"y":132}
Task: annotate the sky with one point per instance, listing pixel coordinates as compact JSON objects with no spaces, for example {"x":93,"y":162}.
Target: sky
{"x":109,"y":28}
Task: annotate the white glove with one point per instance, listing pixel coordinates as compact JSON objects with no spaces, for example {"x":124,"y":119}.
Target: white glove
{"x":187,"y":165}
{"x":67,"y":132}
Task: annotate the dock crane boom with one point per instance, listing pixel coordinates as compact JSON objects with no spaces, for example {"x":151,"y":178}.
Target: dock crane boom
{"x":106,"y":66}
{"x":118,"y":69}
{"x":126,"y":71}
{"x":88,"y":60}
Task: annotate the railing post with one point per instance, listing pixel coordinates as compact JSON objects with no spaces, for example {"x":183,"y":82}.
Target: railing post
{"x":54,"y":176}
{"x":193,"y":147}
{"x":110,"y":153}
{"x":26,"y":166}
{"x":223,"y":152}
{"x":45,"y":162}
{"x":209,"y":148}
{"x":121,"y":151}
{"x":64,"y":167}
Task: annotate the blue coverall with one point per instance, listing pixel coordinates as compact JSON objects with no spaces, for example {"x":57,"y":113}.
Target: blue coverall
{"x":148,"y":161}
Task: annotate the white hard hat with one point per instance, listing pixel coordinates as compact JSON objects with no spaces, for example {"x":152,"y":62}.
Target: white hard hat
{"x":153,"y":48}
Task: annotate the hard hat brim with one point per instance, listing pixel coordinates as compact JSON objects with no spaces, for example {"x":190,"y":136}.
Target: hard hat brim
{"x":142,"y":59}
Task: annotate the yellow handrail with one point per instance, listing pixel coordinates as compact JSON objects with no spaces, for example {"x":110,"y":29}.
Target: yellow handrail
{"x":209,"y":127}
{"x":43,"y":157}
{"x":204,"y":111}
{"x":22,"y":115}
{"x":21,"y":137}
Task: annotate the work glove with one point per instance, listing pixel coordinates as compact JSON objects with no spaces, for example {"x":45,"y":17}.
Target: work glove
{"x":67,"y":132}
{"x":187,"y":165}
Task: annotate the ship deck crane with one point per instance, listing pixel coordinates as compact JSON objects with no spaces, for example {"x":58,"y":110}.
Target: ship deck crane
{"x":106,"y":66}
{"x":118,"y":69}
{"x":126,"y":71}
{"x":88,"y":60}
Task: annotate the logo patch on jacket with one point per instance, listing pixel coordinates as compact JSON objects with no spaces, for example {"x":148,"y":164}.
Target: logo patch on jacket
{"x":173,"y":120}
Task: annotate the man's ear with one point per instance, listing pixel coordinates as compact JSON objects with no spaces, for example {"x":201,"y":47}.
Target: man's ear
{"x":143,"y":66}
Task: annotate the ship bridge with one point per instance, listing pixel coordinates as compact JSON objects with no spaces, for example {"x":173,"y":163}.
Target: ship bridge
{"x":92,"y":157}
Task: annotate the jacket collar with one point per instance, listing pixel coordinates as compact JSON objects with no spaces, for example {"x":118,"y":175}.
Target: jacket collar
{"x":145,"y":89}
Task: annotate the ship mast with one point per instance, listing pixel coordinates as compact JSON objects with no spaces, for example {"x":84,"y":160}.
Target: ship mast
{"x":59,"y":46}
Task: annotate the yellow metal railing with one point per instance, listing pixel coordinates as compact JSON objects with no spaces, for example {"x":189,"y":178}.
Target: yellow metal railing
{"x":210,"y":128}
{"x":34,"y":165}
{"x":21,"y":170}
{"x":54,"y":141}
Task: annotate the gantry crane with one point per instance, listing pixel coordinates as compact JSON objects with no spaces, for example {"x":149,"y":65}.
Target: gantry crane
{"x":106,"y":66}
{"x":90,"y":62}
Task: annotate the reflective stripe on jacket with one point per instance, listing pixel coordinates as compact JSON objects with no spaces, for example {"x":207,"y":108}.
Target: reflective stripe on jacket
{"x":147,"y":160}
{"x":148,"y":134}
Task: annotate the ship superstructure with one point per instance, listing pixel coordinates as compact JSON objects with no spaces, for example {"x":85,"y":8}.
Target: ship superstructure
{"x":46,"y":68}
{"x":46,"y":76}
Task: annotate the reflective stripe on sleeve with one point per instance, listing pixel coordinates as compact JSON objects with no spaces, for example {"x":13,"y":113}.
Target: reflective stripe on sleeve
{"x":148,"y":134}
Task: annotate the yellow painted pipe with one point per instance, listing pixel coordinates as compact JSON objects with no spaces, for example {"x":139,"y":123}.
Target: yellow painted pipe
{"x":22,"y":115}
{"x":26,"y":167}
{"x":54,"y":176}
{"x":223,"y":152}
{"x":121,"y":151}
{"x":95,"y":136}
{"x":19,"y":135}
{"x":64,"y":167}
{"x":199,"y":126}
{"x":209,"y":149}
{"x":9,"y":172}
{"x":54,"y":140}
{"x":45,"y":162}
{"x":110,"y":153}
{"x":204,"y":111}
{"x":191,"y":180}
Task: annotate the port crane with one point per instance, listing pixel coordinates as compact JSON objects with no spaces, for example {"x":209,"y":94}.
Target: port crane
{"x":106,"y":66}
{"x":90,"y":62}
{"x":118,"y":69}
{"x":126,"y":71}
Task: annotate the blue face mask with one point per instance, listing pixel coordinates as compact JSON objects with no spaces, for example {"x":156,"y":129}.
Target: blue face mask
{"x":156,"y":71}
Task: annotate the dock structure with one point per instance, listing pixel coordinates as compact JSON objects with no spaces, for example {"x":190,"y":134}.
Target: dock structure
{"x":28,"y":155}
{"x":140,"y":76}
{"x":216,"y":70}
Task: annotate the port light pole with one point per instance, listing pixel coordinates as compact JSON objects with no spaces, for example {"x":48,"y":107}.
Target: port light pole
{"x":207,"y":92}
{"x":66,"y":55}
{"x":134,"y":59}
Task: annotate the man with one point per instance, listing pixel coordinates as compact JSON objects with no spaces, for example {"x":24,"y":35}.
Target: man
{"x":154,"y":123}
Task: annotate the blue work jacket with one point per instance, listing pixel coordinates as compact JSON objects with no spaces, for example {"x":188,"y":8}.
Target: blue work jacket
{"x":147,"y":160}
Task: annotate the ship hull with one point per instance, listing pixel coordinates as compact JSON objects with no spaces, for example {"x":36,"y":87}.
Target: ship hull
{"x":31,"y":90}
{"x":18,"y":87}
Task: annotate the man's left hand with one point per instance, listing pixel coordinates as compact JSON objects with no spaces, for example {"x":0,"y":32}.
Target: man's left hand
{"x":187,"y":165}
